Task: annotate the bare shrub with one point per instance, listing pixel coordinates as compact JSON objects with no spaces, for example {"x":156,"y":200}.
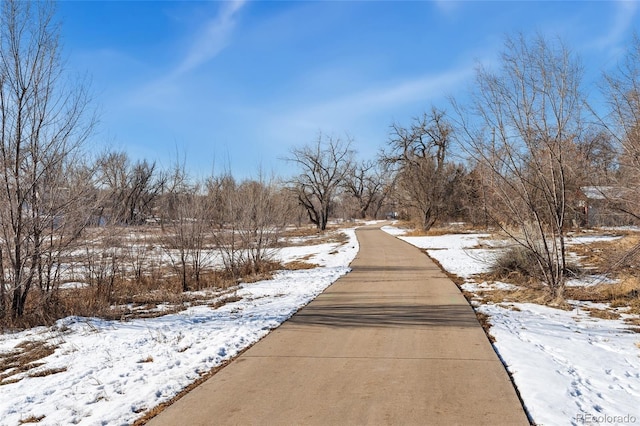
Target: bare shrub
{"x":519,"y":265}
{"x":526,"y":120}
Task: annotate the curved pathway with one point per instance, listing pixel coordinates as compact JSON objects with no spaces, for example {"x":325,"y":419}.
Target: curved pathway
{"x":392,"y":342}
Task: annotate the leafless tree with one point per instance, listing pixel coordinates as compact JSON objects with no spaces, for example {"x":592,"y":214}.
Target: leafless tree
{"x":43,"y":123}
{"x":622,"y":88}
{"x":249,"y":216}
{"x":130,"y":189}
{"x":418,"y":155}
{"x":323,"y":167}
{"x":186,"y":238}
{"x":262,"y":218}
{"x":525,"y":121}
{"x":367,"y":182}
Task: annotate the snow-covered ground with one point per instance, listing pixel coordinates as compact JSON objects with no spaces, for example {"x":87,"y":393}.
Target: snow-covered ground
{"x":570,"y":368}
{"x":111,"y":372}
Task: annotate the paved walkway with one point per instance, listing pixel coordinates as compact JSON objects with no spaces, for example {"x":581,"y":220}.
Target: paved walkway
{"x":392,"y":342}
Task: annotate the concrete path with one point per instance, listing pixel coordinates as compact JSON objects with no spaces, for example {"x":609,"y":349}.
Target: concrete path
{"x":393,"y":342}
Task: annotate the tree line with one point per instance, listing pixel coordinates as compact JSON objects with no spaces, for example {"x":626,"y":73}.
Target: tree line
{"x":514,"y":155}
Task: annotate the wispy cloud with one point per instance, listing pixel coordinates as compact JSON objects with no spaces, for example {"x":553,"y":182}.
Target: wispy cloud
{"x":362,"y":113}
{"x":623,"y":21}
{"x":447,"y":7}
{"x":212,"y":38}
{"x":165,"y":91}
{"x":386,"y":98}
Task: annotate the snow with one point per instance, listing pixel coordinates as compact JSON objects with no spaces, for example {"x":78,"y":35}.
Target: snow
{"x":114,"y":371}
{"x":462,"y":253}
{"x":590,"y":281}
{"x":589,"y":239}
{"x":570,"y":368}
{"x":568,"y":365}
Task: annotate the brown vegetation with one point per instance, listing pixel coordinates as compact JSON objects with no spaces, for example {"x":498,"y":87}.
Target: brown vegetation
{"x":23,"y":358}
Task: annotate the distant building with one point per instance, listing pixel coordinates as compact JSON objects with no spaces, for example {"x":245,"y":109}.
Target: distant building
{"x":597,"y":206}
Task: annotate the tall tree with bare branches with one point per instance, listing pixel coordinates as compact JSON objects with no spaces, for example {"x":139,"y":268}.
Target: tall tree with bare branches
{"x":323,"y":167}
{"x":526,"y":119}
{"x":367,"y":183}
{"x":418,"y":155}
{"x":43,"y":123}
{"x":622,"y":88}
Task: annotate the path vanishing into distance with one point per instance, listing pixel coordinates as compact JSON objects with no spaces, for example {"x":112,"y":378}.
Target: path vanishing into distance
{"x":392,"y":342}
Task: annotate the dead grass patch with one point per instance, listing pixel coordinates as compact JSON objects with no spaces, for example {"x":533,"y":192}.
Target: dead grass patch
{"x":302,"y":231}
{"x":298,"y":265}
{"x":23,"y":358}
{"x":313,"y":236}
{"x":146,"y":360}
{"x":437,"y":230}
{"x":483,"y":319}
{"x":48,"y":372}
{"x":632,"y":321}
{"x":521,"y":295}
{"x":619,"y":255}
{"x":601,"y":313}
{"x":31,"y":419}
{"x":624,"y":293}
{"x":221,"y":302}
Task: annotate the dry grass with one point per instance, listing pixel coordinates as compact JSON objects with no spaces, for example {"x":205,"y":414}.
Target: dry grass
{"x":302,"y":231}
{"x":313,"y":236}
{"x":633,"y":321}
{"x":134,"y":284}
{"x":598,"y":257}
{"x":31,"y":419}
{"x":437,"y":230}
{"x":483,"y":319}
{"x":125,"y":299}
{"x":48,"y":372}
{"x":602,"y":313}
{"x":22,"y":358}
{"x":298,"y":265}
{"x":609,"y":256}
{"x":221,"y":302}
{"x":624,"y":293}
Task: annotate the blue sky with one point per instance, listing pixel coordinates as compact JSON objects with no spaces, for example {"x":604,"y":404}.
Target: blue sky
{"x":237,"y":84}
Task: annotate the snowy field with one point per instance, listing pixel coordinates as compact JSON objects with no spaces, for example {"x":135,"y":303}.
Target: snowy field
{"x":112,"y":372}
{"x":570,"y":368}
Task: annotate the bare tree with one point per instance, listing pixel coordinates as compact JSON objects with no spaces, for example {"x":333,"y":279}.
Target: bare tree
{"x":130,"y":189}
{"x":249,"y":217}
{"x":622,"y":88}
{"x":186,"y":238}
{"x":527,"y":118}
{"x":262,"y":218}
{"x":367,"y":183}
{"x":418,"y":155}
{"x":43,"y":122}
{"x":323,"y":167}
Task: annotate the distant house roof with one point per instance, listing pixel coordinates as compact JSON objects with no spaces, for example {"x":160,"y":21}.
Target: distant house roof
{"x":601,"y":192}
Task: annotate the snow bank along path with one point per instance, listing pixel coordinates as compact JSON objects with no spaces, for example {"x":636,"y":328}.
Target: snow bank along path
{"x":115,"y":371}
{"x":570,"y":368}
